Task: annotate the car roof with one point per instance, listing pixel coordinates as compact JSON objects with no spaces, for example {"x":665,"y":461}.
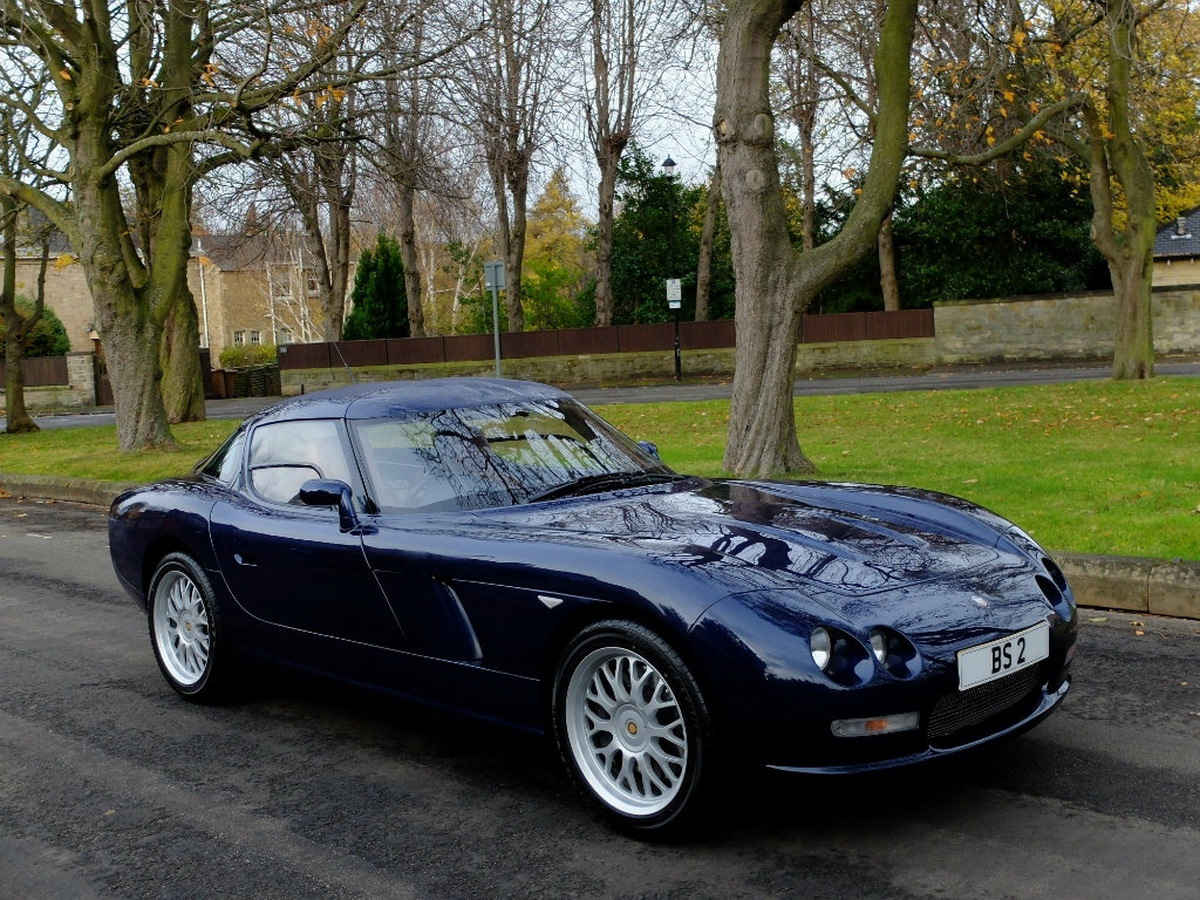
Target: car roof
{"x":399,"y":398}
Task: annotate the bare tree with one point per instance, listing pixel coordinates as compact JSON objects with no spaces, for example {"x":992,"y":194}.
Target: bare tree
{"x":633,"y":45}
{"x":775,"y":282}
{"x":18,"y":326}
{"x":138,"y":88}
{"x":708,"y":233}
{"x":319,"y":178}
{"x":508,"y":84}
{"x":19,"y":154}
{"x":413,"y":146}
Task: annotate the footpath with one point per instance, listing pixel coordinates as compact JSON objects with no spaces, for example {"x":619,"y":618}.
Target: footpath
{"x":1154,"y":587}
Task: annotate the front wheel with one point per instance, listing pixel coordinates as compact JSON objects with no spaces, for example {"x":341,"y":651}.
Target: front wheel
{"x":185,"y":630}
{"x":632,"y":727}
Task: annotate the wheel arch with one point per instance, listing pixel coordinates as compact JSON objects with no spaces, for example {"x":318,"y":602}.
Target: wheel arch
{"x":586,"y":615}
{"x":162,"y":547}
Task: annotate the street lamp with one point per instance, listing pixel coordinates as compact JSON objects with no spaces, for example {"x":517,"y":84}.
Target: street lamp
{"x":674,"y":293}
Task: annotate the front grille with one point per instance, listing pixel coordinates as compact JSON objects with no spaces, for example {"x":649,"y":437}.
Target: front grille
{"x":964,"y":709}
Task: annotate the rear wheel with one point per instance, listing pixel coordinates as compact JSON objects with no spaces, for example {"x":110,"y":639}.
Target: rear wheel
{"x":632,"y":727}
{"x":185,"y":629}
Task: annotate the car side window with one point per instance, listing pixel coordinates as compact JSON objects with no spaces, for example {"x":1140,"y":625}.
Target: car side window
{"x":284,"y":455}
{"x":226,"y":463}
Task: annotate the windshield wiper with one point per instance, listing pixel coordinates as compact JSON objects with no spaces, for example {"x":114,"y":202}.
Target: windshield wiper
{"x":592,"y":484}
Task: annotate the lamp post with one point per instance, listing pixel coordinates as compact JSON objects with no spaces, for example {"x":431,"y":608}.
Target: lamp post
{"x":674,"y":293}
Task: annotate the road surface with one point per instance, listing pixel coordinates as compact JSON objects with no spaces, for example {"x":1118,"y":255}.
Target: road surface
{"x":112,"y":787}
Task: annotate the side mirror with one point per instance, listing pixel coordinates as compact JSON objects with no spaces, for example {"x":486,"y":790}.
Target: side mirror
{"x":651,"y":449}
{"x":330,"y":492}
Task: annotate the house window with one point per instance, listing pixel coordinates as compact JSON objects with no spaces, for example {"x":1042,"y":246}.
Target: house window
{"x":255,"y":337}
{"x":284,"y":335}
{"x":312,"y":286}
{"x":239,"y":338}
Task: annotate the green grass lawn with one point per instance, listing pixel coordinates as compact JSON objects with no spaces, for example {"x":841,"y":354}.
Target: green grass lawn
{"x":1094,"y":467}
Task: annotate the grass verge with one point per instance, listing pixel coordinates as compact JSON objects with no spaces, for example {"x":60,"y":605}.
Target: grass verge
{"x":1093,"y":467}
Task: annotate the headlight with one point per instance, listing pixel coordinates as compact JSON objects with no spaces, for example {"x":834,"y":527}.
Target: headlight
{"x":822,"y":647}
{"x":894,"y":652}
{"x":879,"y":645}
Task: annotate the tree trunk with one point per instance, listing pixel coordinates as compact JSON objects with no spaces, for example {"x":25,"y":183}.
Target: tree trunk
{"x":183,"y":380}
{"x":512,"y":239}
{"x":707,"y":237}
{"x":130,"y":326}
{"x":17,"y":418}
{"x":1117,"y":155}
{"x":775,"y":282}
{"x":608,"y":162}
{"x":888,"y":283}
{"x":513,"y":300}
{"x":1133,"y":352}
{"x":411,"y":259}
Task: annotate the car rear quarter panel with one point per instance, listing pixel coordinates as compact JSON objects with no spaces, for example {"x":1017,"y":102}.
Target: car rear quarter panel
{"x":146,"y":523}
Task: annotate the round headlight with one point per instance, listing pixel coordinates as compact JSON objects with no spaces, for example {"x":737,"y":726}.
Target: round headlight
{"x":879,"y":645}
{"x":822,"y":647}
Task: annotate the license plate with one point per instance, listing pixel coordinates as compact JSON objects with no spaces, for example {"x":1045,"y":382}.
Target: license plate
{"x":995,"y":659}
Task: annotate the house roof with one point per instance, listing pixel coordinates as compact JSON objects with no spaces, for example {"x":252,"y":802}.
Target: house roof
{"x":1179,"y":239}
{"x":238,"y":251}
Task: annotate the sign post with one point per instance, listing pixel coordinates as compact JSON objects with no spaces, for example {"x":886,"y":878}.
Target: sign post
{"x":674,"y":301}
{"x":493,"y":273}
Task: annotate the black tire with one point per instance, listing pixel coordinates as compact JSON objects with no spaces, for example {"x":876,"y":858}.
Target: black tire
{"x":633,"y":728}
{"x":186,"y":631}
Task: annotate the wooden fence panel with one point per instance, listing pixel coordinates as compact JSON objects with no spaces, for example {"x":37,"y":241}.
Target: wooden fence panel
{"x":41,"y":371}
{"x":586,"y":341}
{"x":470,"y":347}
{"x":305,"y":356}
{"x":912,"y":323}
{"x":822,"y":329}
{"x":707,"y":335}
{"x":413,"y":351}
{"x":905,"y":323}
{"x":518,"y":344}
{"x":643,"y":338}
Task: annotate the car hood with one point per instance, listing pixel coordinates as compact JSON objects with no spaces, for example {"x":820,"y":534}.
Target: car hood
{"x":849,"y":539}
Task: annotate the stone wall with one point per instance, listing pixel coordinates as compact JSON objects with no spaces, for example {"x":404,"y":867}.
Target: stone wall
{"x":79,"y":391}
{"x":975,"y":331}
{"x":1058,"y":327}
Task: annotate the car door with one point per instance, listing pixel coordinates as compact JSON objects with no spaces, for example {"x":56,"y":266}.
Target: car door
{"x":292,"y":565}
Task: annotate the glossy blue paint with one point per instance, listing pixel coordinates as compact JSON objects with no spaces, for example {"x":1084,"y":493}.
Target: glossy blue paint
{"x":471,"y":608}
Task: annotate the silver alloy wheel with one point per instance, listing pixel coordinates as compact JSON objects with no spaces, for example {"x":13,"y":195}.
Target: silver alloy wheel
{"x":181,"y":627}
{"x":626,"y":731}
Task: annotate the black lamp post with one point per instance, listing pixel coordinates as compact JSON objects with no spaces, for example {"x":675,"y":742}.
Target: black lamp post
{"x":673,"y":298}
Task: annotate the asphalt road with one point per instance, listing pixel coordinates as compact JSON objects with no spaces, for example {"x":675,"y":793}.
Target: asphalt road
{"x":110,"y":786}
{"x":948,"y":378}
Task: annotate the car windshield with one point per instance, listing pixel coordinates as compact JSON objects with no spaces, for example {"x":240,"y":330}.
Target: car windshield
{"x":487,"y":456}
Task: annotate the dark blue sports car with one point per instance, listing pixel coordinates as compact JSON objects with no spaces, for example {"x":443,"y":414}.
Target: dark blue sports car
{"x":495,"y":548}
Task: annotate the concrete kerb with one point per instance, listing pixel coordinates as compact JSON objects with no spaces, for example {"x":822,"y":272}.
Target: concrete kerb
{"x":1133,"y":584}
{"x":49,"y":487}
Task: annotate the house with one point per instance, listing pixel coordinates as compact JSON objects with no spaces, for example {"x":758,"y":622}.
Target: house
{"x":248,"y":289}
{"x":1177,"y":251}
